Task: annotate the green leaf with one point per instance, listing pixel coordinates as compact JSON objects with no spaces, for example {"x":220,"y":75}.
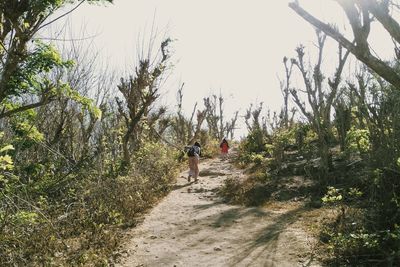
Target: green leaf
{"x":6,"y":148}
{"x":6,"y":163}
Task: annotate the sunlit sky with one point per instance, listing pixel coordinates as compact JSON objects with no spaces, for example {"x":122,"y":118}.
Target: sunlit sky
{"x":232,"y":47}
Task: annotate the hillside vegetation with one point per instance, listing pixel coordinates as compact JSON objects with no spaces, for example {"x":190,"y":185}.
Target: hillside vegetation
{"x":85,"y":151}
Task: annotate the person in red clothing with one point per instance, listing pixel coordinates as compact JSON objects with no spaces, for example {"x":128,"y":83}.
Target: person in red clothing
{"x":224,"y":148}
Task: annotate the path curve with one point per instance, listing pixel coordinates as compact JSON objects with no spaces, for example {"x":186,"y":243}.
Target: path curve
{"x":193,"y":227}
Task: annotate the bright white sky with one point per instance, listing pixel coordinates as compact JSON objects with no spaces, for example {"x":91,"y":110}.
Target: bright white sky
{"x":230,"y":46}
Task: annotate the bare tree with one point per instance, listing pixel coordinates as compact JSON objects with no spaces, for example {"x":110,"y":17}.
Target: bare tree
{"x":285,"y":88}
{"x":231,"y":126}
{"x":182,"y":129}
{"x":186,"y":130}
{"x":342,"y":120}
{"x":360,"y":15}
{"x":320,"y":98}
{"x":252,"y":117}
{"x":140,"y":92}
{"x":201,"y":115}
{"x":211,"y":116}
{"x":221,"y":132}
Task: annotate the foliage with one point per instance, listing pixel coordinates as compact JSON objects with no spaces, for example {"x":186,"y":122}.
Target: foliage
{"x":255,"y":141}
{"x":7,"y":178}
{"x":140,"y":91}
{"x":25,"y":65}
{"x":281,"y":140}
{"x":362,"y":176}
{"x":337,"y":196}
{"x":66,"y":188}
{"x":333,"y":195}
{"x":358,"y":141}
{"x":76,"y":166}
{"x":79,"y":225}
{"x":210,"y":149}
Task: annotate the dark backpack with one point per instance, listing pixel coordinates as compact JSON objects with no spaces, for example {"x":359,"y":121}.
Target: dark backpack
{"x":191,"y":151}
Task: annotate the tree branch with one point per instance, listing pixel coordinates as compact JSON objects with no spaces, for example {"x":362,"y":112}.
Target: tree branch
{"x":8,"y":113}
{"x":364,"y":55}
{"x":59,"y":17}
{"x":382,"y":15}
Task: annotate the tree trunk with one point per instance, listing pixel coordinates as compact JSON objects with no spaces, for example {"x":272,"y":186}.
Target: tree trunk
{"x":326,"y":160}
{"x":125,"y":147}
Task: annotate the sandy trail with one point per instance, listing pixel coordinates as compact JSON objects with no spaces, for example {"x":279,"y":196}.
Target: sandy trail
{"x":193,"y":227}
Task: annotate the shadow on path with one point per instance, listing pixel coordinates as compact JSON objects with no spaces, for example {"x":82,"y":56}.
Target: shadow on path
{"x":265,"y":245}
{"x":179,"y":186}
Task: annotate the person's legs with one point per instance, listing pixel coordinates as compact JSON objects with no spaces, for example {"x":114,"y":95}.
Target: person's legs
{"x":191,"y":167}
{"x":223,"y":155}
{"x":196,"y":161}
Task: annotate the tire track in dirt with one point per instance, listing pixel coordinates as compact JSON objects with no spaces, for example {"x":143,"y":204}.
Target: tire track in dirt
{"x":192,"y":226}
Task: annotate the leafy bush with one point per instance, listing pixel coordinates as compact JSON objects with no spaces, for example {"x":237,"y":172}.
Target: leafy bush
{"x":281,"y":140}
{"x":255,"y":141}
{"x":354,"y":245}
{"x":362,"y":235}
{"x":358,"y":141}
{"x":81,"y":224}
{"x":210,"y":149}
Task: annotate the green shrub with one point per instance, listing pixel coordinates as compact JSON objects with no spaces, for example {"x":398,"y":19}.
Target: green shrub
{"x":363,"y":235}
{"x":357,"y":141}
{"x":255,"y":141}
{"x":210,"y":149}
{"x":79,"y":222}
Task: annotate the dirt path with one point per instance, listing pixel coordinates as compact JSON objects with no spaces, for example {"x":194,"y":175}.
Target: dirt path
{"x":193,"y":227}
